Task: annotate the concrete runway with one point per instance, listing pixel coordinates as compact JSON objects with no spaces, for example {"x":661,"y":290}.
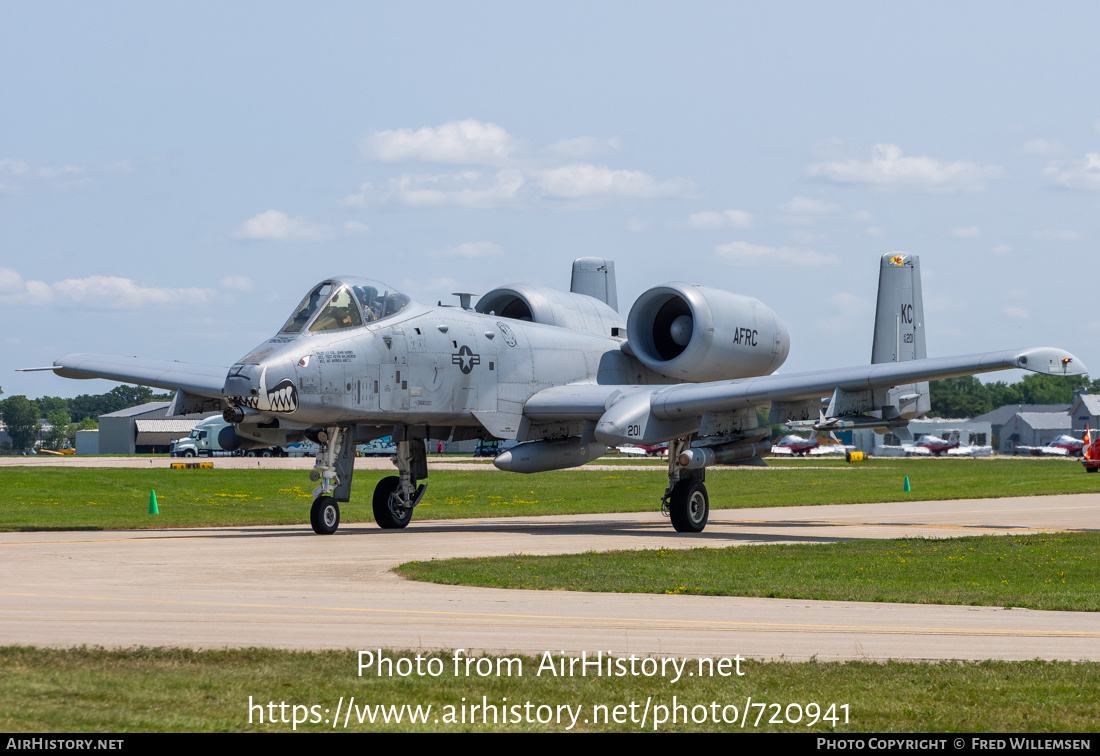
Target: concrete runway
{"x":286,"y":587}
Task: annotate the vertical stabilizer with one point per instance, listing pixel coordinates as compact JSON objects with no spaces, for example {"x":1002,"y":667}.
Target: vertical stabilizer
{"x":899,"y":329}
{"x":595,"y":277}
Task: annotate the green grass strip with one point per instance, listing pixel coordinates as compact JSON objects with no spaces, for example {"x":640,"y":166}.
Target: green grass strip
{"x":157,"y":690}
{"x":60,"y":498}
{"x":1058,"y":571}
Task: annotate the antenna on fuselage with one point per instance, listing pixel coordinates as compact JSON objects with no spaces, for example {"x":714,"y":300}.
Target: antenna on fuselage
{"x":463,"y":299}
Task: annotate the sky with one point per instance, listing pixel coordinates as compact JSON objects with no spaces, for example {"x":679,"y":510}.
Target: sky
{"x":174,"y":177}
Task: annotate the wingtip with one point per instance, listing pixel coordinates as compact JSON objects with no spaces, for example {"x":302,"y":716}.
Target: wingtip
{"x":1052,"y":361}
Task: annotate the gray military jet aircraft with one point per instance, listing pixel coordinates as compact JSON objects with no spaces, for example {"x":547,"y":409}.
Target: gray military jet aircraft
{"x":560,"y":372}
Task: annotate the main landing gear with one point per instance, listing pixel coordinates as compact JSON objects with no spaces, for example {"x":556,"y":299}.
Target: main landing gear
{"x":685,"y":501}
{"x":395,"y":496}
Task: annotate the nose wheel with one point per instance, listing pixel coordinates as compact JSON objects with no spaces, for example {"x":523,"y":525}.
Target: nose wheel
{"x":325,"y":515}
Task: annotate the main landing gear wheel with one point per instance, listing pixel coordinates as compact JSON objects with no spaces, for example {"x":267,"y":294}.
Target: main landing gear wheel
{"x":325,"y":515}
{"x":689,"y":506}
{"x":384,"y":515}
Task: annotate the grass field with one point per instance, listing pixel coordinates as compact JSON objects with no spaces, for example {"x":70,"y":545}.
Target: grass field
{"x":37,"y":498}
{"x":142,"y":690}
{"x":1059,"y":571}
{"x":86,"y":690}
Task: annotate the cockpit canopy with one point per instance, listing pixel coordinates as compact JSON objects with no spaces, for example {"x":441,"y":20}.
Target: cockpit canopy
{"x":345,"y":303}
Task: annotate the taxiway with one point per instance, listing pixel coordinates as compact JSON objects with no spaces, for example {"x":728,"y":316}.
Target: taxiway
{"x":286,"y":587}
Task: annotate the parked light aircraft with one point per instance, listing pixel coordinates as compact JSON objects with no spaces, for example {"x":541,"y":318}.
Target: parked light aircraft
{"x":560,"y":372}
{"x":938,"y":446}
{"x":1063,"y":446}
{"x":800,"y":447}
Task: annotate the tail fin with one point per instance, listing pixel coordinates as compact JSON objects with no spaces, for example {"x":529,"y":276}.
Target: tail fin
{"x":595,"y":277}
{"x":899,"y":329}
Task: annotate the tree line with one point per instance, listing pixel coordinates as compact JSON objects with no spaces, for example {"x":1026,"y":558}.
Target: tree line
{"x":23,"y":417}
{"x":969,"y":397}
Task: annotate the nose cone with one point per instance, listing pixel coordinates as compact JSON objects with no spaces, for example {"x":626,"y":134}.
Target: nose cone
{"x":249,"y":386}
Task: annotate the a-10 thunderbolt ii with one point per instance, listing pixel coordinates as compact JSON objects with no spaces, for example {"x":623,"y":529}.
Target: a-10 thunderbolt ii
{"x":560,"y":372}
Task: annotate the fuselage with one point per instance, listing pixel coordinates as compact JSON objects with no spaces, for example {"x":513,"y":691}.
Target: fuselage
{"x":425,"y":366}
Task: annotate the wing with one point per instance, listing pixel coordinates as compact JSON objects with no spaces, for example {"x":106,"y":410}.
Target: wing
{"x":649,"y":414}
{"x":201,"y":380}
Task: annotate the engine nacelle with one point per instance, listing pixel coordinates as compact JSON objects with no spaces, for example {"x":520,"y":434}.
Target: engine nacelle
{"x":538,"y":304}
{"x":696,"y":333}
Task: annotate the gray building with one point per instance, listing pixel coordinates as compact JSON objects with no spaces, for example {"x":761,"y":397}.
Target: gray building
{"x":998,"y":417}
{"x":144,"y":429}
{"x":1033,"y":429}
{"x":1085,"y":412}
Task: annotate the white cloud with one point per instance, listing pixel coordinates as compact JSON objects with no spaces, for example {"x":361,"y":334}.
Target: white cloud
{"x":874,"y":231}
{"x":274,"y":225}
{"x":582,"y":180}
{"x":475,"y":249}
{"x":114,"y":293}
{"x":802,"y":211}
{"x":515,"y":181}
{"x":1016,"y":313}
{"x":889,"y":169}
{"x":584,"y":148}
{"x":19,"y":174}
{"x":362,"y":198}
{"x":515,"y":186}
{"x":863,"y":216}
{"x":1057,"y":235}
{"x":95,"y":293}
{"x":471,"y":189}
{"x":237,"y":283}
{"x":745,"y":254}
{"x":469,"y":141}
{"x":11,"y":283}
{"x":1080,"y":174}
{"x":355,"y":227}
{"x":1001,"y":249}
{"x":14,"y":290}
{"x":636,"y":225}
{"x":966,"y":233}
{"x":724,"y":219}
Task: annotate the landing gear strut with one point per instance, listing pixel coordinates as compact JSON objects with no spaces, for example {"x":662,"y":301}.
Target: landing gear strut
{"x":396,"y":495}
{"x":685,"y":501}
{"x":325,"y":514}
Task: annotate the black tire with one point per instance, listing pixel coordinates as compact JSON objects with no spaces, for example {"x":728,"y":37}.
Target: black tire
{"x":250,"y":453}
{"x":325,"y":515}
{"x":689,"y":507}
{"x":189,"y":453}
{"x":265,"y":453}
{"x":385,"y":518}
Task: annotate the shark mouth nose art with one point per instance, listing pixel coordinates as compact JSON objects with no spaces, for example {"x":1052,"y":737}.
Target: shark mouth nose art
{"x":283,"y":397}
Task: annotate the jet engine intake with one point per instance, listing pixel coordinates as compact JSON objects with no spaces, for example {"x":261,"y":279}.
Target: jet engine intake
{"x":537,"y":304}
{"x":696,"y":333}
